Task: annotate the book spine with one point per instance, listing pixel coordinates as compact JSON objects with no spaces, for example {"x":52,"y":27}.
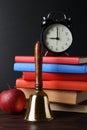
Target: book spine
{"x":49,"y":59}
{"x":54,"y":84}
{"x":61,"y":68}
{"x":55,"y":76}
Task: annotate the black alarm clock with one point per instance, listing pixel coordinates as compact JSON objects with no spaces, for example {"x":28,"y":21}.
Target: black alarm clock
{"x":56,"y":35}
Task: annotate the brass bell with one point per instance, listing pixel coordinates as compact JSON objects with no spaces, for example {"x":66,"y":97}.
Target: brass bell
{"x":38,"y":108}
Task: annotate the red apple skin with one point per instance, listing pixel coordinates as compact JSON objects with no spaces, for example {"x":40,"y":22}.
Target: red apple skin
{"x":12,"y":101}
{"x":0,"y":101}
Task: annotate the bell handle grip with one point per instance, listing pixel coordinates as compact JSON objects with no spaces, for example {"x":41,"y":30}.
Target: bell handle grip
{"x":38,"y":65}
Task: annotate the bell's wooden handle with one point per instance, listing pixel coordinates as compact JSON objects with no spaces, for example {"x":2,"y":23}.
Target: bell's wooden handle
{"x":38,"y":65}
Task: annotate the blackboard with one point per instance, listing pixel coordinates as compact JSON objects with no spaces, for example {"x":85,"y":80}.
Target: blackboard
{"x":20,"y":27}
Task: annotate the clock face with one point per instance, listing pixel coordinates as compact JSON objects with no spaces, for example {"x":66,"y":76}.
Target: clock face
{"x":57,"y":38}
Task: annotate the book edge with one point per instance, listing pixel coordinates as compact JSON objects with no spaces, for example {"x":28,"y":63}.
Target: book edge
{"x":66,"y":100}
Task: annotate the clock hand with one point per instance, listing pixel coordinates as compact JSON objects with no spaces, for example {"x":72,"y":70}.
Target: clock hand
{"x":57,"y":32}
{"x":52,"y":38}
{"x":57,"y":38}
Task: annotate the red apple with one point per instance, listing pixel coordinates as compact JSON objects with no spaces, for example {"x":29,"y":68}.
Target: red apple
{"x":12,"y":101}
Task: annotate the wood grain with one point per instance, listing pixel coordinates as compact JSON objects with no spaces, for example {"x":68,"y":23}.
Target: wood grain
{"x":62,"y":121}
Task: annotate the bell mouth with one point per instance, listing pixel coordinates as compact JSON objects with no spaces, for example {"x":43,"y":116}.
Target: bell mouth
{"x":38,"y":108}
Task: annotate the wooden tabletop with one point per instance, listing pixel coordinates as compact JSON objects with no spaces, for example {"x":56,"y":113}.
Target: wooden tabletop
{"x":62,"y":121}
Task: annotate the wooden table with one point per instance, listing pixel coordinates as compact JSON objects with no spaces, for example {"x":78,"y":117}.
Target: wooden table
{"x":62,"y":121}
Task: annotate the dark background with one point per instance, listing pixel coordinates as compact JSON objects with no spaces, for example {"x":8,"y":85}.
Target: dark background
{"x":20,"y":27}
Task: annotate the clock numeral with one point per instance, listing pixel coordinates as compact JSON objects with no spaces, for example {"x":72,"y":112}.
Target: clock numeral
{"x":62,"y":47}
{"x":51,"y":47}
{"x":66,"y":44}
{"x":66,"y":33}
{"x":68,"y":39}
{"x":56,"y":49}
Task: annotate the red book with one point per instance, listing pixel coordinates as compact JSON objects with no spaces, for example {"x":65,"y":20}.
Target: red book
{"x":54,"y":84}
{"x":54,"y":59}
{"x":55,"y":76}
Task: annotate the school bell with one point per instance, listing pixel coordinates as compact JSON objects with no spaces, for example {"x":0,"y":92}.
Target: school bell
{"x":38,"y":108}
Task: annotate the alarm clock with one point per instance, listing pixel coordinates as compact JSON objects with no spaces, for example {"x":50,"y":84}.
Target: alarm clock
{"x":56,"y":35}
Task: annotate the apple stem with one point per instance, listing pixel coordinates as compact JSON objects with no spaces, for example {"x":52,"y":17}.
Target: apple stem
{"x":8,"y":86}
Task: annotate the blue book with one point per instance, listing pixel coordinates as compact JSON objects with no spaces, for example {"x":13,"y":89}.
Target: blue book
{"x":61,"y":68}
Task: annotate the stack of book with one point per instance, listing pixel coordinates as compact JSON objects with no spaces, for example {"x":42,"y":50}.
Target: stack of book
{"x":64,"y":80}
